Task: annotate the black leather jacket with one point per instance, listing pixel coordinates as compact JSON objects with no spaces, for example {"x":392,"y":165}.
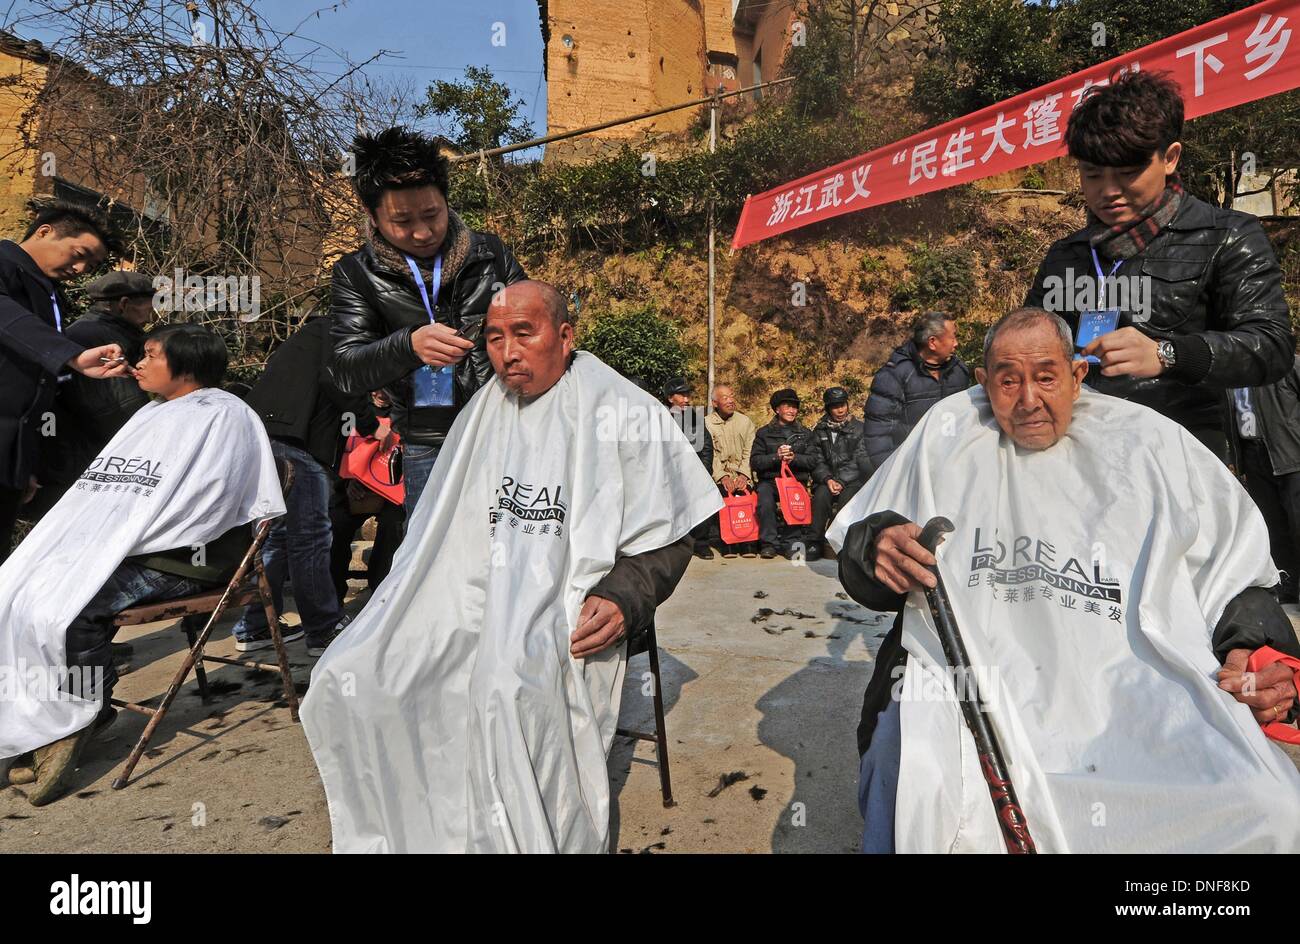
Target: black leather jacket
{"x":376,"y":309}
{"x":1216,"y":293}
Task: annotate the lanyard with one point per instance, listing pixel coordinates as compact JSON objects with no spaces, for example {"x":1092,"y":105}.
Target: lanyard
{"x":1101,"y":279}
{"x":58,"y":316}
{"x":419,"y":283}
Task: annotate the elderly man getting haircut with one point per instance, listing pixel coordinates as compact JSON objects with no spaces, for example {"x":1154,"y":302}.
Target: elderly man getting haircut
{"x":1107,"y":573}
{"x":160,"y":513}
{"x":471,"y":705}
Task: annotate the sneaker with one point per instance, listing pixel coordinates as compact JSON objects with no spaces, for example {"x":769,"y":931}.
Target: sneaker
{"x":768,"y":552}
{"x":813,"y":553}
{"x":316,"y":645}
{"x":261,"y":638}
{"x":704,"y":553}
{"x":729,"y":552}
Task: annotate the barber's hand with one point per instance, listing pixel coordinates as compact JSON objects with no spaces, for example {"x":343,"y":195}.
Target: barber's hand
{"x":30,"y":491}
{"x":834,"y":486}
{"x":901,"y":560}
{"x":600,"y":625}
{"x":88,"y":362}
{"x":438,"y":345}
{"x":1268,"y":693}
{"x":1126,"y":351}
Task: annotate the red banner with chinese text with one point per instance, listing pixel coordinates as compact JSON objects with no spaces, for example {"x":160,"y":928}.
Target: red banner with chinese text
{"x":1235,"y":59}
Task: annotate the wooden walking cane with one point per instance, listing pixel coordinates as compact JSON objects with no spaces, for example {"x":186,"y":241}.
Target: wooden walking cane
{"x":1015,"y":828}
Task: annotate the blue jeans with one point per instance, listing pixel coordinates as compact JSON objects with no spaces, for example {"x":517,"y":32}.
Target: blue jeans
{"x":299,"y":545}
{"x":417,"y":463}
{"x":878,"y":782}
{"x":90,"y":635}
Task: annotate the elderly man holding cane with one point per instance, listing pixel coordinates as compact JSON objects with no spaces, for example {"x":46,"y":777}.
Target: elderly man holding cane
{"x":1108,"y":576}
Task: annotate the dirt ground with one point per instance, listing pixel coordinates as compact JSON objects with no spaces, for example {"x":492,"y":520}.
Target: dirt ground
{"x":773,"y":699}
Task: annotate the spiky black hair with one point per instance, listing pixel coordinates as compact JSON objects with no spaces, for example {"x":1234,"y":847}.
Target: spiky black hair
{"x":73,"y":219}
{"x":395,"y":159}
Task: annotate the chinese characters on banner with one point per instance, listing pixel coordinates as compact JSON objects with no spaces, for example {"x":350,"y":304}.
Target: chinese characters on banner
{"x":1235,"y":59}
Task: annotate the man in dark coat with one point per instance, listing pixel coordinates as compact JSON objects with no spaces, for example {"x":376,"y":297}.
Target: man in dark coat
{"x":837,"y":478}
{"x":88,"y":413}
{"x":408,"y":306}
{"x":918,"y":375}
{"x":63,"y":242}
{"x":782,"y":440}
{"x":1266,"y":442}
{"x":1193,"y":301}
{"x":305,"y":415}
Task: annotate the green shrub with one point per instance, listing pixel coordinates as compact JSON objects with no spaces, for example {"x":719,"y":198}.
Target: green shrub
{"x":942,"y":278}
{"x":638,"y":342}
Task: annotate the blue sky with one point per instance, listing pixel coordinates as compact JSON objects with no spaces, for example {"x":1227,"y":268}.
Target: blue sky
{"x":430,"y":39}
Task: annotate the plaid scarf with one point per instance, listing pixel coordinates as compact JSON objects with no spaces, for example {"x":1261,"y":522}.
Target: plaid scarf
{"x":455,"y":250}
{"x":1126,"y":240}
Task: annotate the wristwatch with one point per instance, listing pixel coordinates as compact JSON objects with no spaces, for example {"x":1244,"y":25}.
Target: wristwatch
{"x":1165,"y":351}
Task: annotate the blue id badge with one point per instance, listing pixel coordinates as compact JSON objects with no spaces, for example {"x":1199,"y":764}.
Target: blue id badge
{"x":1092,"y":325}
{"x":433,"y":387}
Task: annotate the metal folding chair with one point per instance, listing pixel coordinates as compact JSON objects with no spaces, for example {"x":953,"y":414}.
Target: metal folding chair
{"x":648,"y":642}
{"x":249,"y":584}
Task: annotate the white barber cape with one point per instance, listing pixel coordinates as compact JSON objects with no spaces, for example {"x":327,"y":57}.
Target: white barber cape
{"x":179,"y":473}
{"x":450,"y":716}
{"x":1086,"y":580}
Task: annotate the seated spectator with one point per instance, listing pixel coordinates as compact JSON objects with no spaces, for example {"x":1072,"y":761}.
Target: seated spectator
{"x":784,"y":439}
{"x":690,"y":420}
{"x":837,"y":477}
{"x":918,"y":375}
{"x":162,"y":512}
{"x":731,"y":435}
{"x":305,"y":415}
{"x":88,"y":412}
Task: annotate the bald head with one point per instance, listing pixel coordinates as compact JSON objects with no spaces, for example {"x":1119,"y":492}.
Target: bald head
{"x":529,"y":337}
{"x":724,"y":401}
{"x":533,"y":295}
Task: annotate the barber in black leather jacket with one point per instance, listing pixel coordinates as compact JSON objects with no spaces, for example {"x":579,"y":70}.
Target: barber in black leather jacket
{"x":382,"y":331}
{"x":1216,"y":318}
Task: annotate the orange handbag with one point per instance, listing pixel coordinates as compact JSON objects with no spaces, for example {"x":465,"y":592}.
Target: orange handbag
{"x":363,"y":461}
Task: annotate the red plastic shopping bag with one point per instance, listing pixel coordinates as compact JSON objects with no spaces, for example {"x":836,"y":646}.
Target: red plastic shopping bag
{"x":738,"y":520}
{"x":796,"y":506}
